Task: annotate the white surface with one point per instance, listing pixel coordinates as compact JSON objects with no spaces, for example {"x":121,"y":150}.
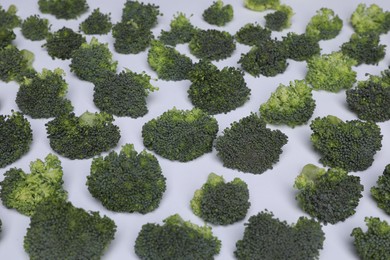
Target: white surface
{"x":272,"y":190}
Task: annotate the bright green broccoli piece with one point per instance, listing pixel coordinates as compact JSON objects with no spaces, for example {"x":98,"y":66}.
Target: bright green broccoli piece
{"x":35,"y":28}
{"x":176,"y":239}
{"x":218,"y":13}
{"x":249,"y":146}
{"x":290,"y":105}
{"x":82,"y":137}
{"x":252,"y":34}
{"x":168,"y":135}
{"x":280,"y":19}
{"x":15,"y":64}
{"x":63,"y":9}
{"x":181,"y":31}
{"x":301,"y":47}
{"x":261,"y":5}
{"x":371,"y":19}
{"x":96,"y":23}
{"x":144,"y":15}
{"x":350,"y":145}
{"x":8,"y":18}
{"x":6,"y":37}
{"x":325,"y":25}
{"x":267,"y":237}
{"x":381,"y":192}
{"x":130,"y":37}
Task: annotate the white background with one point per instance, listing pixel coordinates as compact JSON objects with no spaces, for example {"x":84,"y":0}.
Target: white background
{"x":273,"y":190}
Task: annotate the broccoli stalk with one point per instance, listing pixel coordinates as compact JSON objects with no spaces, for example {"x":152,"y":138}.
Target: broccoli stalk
{"x":218,"y":13}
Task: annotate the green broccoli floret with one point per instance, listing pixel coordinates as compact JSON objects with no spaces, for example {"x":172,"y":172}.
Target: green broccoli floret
{"x":252,"y":34}
{"x":181,"y":31}
{"x":15,"y":64}
{"x":82,"y":137}
{"x":9,"y":19}
{"x":176,"y":239}
{"x":24,"y":192}
{"x":325,"y":25}
{"x":130,"y":37}
{"x":144,"y":15}
{"x":249,"y":146}
{"x":181,"y":135}
{"x":350,"y":145}
{"x":96,"y":23}
{"x":301,"y":47}
{"x":290,"y":105}
{"x":331,"y":72}
{"x":375,"y":242}
{"x":63,"y":9}
{"x":212,"y":44}
{"x":267,"y":237}
{"x":44,"y":95}
{"x":168,"y":62}
{"x":371,"y":19}
{"x":279,"y":20}
{"x":261,"y":5}
{"x":221,"y":203}
{"x":58,"y":230}
{"x":6,"y":37}
{"x":35,"y":28}
{"x":218,"y":13}
{"x":381,"y":192}
{"x":217,"y":91}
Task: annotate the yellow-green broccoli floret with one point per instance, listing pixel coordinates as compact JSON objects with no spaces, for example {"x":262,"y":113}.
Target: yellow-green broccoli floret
{"x":371,"y":19}
{"x":261,"y":5}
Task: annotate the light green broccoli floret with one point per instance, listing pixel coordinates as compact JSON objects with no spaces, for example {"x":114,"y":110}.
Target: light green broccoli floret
{"x":261,"y":5}
{"x":370,"y":19}
{"x":325,"y":25}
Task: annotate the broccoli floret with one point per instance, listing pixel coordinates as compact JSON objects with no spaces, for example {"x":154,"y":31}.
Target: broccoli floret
{"x":221,"y":203}
{"x":301,"y":47}
{"x":168,"y":62}
{"x":130,"y":37}
{"x":249,"y":146}
{"x":96,"y":23}
{"x":15,"y":64}
{"x":375,"y":242}
{"x":9,"y":19}
{"x":144,"y":15}
{"x":181,"y":31}
{"x":252,"y":34}
{"x":350,"y":145}
{"x":261,"y":5}
{"x":176,"y":239}
{"x":325,"y":25}
{"x":212,"y":44}
{"x":267,"y":237}
{"x":217,"y":91}
{"x":6,"y":37}
{"x":331,"y":72}
{"x":82,"y":137}
{"x":23,"y":192}
{"x":290,"y":105}
{"x":44,"y":95}
{"x":218,"y":13}
{"x":371,"y":19}
{"x":279,"y":20}
{"x":63,"y":9}
{"x":35,"y":28}
{"x":381,"y":192}
{"x":181,"y":135}
{"x":58,"y":230}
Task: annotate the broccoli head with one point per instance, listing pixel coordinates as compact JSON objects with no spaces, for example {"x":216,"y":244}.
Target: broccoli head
{"x":35,"y":28}
{"x":15,"y":64}
{"x":325,"y":25}
{"x":181,"y":31}
{"x":144,"y":15}
{"x":252,"y":34}
{"x":6,"y":37}
{"x":8,"y":18}
{"x":96,"y":23}
{"x":63,"y":9}
{"x":371,"y":19}
{"x":261,"y":5}
{"x":301,"y":47}
{"x":381,"y":192}
{"x":218,"y":13}
{"x":280,"y":19}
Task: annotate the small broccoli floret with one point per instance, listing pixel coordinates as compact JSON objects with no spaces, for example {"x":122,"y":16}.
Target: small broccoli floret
{"x":261,"y":5}
{"x":63,"y":9}
{"x":15,"y":64}
{"x":181,"y":135}
{"x":145,"y":15}
{"x":9,"y":19}
{"x":279,"y":20}
{"x":381,"y":192}
{"x":371,"y":19}
{"x":349,"y":145}
{"x":290,"y":105}
{"x":267,"y":237}
{"x":96,"y":23}
{"x":249,"y":146}
{"x":325,"y":25}
{"x":252,"y":34}
{"x":35,"y":28}
{"x":221,"y":203}
{"x":176,"y":239}
{"x":301,"y":47}
{"x":82,"y":137}
{"x":181,"y":31}
{"x":218,"y":13}
{"x":6,"y":37}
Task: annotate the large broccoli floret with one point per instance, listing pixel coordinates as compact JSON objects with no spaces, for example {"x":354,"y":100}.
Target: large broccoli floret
{"x":218,"y":13}
{"x":23,"y":192}
{"x":82,"y":137}
{"x":181,"y":135}
{"x":15,"y":64}
{"x":35,"y":28}
{"x":221,"y":203}
{"x":267,"y":237}
{"x":63,"y":9}
{"x":301,"y":47}
{"x":325,"y":25}
{"x":249,"y":146}
{"x":252,"y":34}
{"x":371,"y":19}
{"x":96,"y":23}
{"x":176,"y":239}
{"x":261,"y":5}
{"x":130,"y":37}
{"x":381,"y":192}
{"x":349,"y":145}
{"x":279,"y":20}
{"x":9,"y":19}
{"x":144,"y":15}
{"x":181,"y":31}
{"x":58,"y":230}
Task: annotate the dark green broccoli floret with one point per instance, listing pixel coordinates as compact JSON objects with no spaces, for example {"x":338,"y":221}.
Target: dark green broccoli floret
{"x":96,"y":23}
{"x":212,"y":44}
{"x":168,"y":62}
{"x":371,"y":19}
{"x":9,"y":19}
{"x":82,"y":137}
{"x":6,"y":37}
{"x":218,"y":13}
{"x":128,"y":181}
{"x":63,"y":9}
{"x":374,"y":244}
{"x":44,"y":95}
{"x":217,"y":91}
{"x":221,"y":203}
{"x":35,"y":28}
{"x":279,"y":20}
{"x":181,"y":135}
{"x":261,"y":5}
{"x":301,"y":47}
{"x":58,"y":230}
{"x":249,"y":146}
{"x":291,"y":105}
{"x":144,"y":15}
{"x":15,"y":64}
{"x":267,"y":237}
{"x":381,"y":192}
{"x":176,"y":239}
{"x":181,"y":31}
{"x":252,"y":34}
{"x":325,"y":25}
{"x":24,"y":192}
{"x":350,"y":145}
{"x":130,"y":37}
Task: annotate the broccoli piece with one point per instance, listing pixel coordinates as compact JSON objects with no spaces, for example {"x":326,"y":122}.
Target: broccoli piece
{"x":212,"y":45}
{"x":9,"y":19}
{"x":325,"y":25}
{"x":181,"y":31}
{"x":381,"y":192}
{"x":15,"y":64}
{"x":301,"y":47}
{"x":24,"y":192}
{"x":96,"y":23}
{"x":279,"y":20}
{"x":35,"y":28}
{"x":375,"y":242}
{"x":261,"y":5}
{"x":82,"y":137}
{"x":218,"y":13}
{"x":252,"y":34}
{"x":371,"y":19}
{"x":221,"y":203}
{"x":6,"y":37}
{"x":331,"y":72}
{"x":217,"y":91}
{"x":350,"y":145}
{"x":249,"y":146}
{"x":176,"y":239}
{"x":290,"y":105}
{"x":59,"y":230}
{"x":181,"y":135}
{"x":168,"y":62}
{"x":63,"y":9}
{"x":43,"y":96}
{"x":267,"y":237}
{"x":145,"y":15}
{"x":130,"y":37}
